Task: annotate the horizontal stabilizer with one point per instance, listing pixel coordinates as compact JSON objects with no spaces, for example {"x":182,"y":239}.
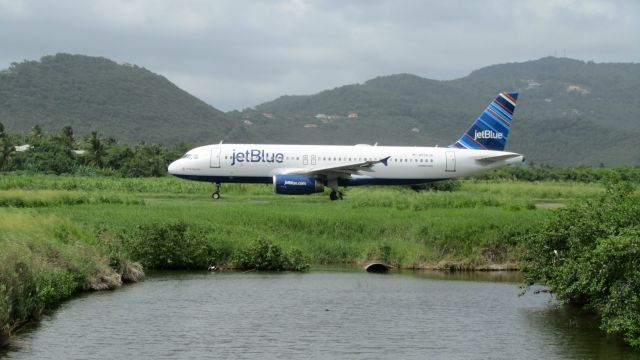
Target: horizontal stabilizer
{"x":496,"y":158}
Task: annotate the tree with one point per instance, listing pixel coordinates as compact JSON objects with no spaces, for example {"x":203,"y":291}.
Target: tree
{"x":117,"y":155}
{"x":36,"y":132}
{"x":48,"y":154}
{"x":148,"y":160}
{"x":96,"y":151}
{"x":66,"y":135}
{"x":6,"y":147}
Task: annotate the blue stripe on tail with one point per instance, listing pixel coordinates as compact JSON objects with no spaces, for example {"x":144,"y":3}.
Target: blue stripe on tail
{"x":491,"y":128}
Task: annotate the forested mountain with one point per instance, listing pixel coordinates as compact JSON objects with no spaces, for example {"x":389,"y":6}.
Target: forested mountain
{"x":125,"y":101}
{"x":569,"y":112}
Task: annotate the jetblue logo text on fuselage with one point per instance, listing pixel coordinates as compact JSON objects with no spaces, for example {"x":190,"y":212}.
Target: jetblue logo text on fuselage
{"x":256,"y":156}
{"x":487,"y":134}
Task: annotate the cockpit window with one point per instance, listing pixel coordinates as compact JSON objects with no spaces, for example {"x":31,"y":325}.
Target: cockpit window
{"x":189,"y":156}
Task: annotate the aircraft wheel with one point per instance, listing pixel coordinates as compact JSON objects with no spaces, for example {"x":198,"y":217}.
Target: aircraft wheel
{"x":216,"y":191}
{"x":340,"y":195}
{"x":333,"y":196}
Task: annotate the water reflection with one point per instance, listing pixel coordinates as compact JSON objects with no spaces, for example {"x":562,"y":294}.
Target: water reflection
{"x":574,"y":333}
{"x":492,"y":276}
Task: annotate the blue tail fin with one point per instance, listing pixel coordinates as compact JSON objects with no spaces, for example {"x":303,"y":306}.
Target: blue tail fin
{"x":491,"y":128}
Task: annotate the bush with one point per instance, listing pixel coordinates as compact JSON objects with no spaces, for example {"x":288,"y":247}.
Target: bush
{"x":172,"y":246}
{"x":444,"y":185}
{"x":38,"y":277}
{"x":264,"y":255}
{"x":548,"y":173}
{"x":589,"y":255}
{"x":611,"y":277}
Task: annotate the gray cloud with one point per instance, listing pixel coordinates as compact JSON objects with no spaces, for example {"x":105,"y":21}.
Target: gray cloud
{"x":236,"y":54}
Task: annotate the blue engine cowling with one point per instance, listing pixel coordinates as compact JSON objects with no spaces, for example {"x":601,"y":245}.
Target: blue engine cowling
{"x":296,"y":185}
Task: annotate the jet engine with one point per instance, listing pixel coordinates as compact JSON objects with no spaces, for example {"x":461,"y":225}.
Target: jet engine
{"x":296,"y":185}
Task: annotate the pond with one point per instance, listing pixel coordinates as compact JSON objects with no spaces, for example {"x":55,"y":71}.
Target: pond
{"x":323,"y":314}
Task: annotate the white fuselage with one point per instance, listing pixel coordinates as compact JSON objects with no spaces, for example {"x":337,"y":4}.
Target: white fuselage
{"x":249,"y":163}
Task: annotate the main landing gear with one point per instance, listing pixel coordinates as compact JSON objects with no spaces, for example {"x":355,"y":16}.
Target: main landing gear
{"x":216,"y":192}
{"x":335,"y":192}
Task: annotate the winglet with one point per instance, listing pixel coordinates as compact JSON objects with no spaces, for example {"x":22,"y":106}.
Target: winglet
{"x":385,"y":160}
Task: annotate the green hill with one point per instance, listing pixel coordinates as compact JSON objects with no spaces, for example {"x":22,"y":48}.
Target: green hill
{"x":125,"y":101}
{"x":569,"y":112}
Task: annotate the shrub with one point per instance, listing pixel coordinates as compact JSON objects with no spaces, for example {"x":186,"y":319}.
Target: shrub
{"x":589,"y":255}
{"x":265,"y":255}
{"x":39,"y":277}
{"x":444,"y":185}
{"x":611,"y":278}
{"x":171,"y":246}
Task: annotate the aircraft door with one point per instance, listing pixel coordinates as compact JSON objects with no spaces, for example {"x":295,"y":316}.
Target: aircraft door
{"x":451,"y":161}
{"x":305,"y":160}
{"x":313,"y":159}
{"x":215,"y":156}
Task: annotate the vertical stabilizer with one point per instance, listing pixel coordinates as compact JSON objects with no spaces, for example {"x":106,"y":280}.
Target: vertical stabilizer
{"x":491,"y":128}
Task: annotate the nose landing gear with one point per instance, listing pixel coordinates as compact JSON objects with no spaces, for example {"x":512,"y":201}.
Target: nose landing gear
{"x":216,"y":192}
{"x":335,"y":195}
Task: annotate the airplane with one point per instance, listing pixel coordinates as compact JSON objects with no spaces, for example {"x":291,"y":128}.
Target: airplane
{"x":308,"y":169}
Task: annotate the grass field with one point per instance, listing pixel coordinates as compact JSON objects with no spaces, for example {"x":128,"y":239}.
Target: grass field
{"x":476,"y":225}
{"x":63,"y":234}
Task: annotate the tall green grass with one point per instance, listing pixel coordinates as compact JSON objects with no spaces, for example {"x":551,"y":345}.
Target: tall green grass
{"x":42,"y":198}
{"x":166,"y":185}
{"x":44,"y":259}
{"x":418,"y":228}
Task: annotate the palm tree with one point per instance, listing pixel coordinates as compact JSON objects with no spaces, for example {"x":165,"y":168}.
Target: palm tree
{"x":6,"y":147}
{"x":96,"y":150}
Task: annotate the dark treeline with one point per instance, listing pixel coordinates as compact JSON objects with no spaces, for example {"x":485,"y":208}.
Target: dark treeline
{"x":549,"y":173}
{"x":65,"y":153}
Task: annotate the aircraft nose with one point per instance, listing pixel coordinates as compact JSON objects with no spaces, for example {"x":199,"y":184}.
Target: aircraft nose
{"x":173,"y":167}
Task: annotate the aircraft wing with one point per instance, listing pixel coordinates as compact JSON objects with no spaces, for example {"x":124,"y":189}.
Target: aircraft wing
{"x":342,"y":170}
{"x":494,"y":158}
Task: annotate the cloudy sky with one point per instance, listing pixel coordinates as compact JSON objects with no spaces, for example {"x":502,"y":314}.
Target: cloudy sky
{"x":236,"y":54}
